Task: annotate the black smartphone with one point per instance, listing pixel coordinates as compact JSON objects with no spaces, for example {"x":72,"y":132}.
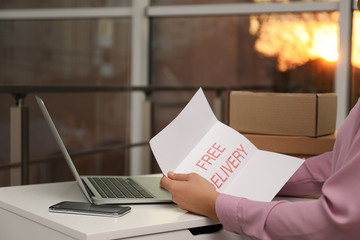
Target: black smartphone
{"x":86,"y":208}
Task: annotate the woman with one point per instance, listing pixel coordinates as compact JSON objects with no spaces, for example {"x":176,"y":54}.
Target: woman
{"x":334,"y":175}
{"x":335,"y":215}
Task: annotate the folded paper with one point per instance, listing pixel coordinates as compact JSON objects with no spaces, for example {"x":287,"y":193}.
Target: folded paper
{"x":196,"y":141}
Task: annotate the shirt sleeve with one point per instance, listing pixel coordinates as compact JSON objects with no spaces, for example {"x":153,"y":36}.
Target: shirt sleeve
{"x":277,"y":220}
{"x":335,"y":215}
{"x":310,"y":177}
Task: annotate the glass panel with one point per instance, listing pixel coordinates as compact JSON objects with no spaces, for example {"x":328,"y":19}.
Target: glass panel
{"x":23,"y":4}
{"x":65,"y":52}
{"x":277,"y":52}
{"x":355,"y":84}
{"x":85,"y":121}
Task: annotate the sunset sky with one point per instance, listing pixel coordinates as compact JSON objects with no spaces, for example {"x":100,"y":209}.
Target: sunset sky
{"x":295,"y":39}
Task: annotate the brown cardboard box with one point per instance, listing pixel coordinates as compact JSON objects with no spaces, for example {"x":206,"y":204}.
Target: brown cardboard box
{"x":293,"y":145}
{"x":291,"y":114}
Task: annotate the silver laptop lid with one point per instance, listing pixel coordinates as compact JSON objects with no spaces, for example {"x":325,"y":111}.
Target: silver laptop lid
{"x":62,"y":146}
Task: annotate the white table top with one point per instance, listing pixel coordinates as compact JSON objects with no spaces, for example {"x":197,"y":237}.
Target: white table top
{"x":32,"y":202}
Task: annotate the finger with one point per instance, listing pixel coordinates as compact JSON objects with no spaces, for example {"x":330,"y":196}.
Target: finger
{"x":178,"y":176}
{"x":165,"y":182}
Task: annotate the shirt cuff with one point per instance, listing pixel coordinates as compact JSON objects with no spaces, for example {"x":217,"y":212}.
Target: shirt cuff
{"x":226,"y":210}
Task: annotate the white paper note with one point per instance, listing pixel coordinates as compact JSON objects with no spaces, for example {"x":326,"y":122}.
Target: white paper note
{"x":195,"y":141}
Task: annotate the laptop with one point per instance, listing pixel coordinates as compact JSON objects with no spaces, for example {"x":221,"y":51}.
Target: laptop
{"x":111,"y":189}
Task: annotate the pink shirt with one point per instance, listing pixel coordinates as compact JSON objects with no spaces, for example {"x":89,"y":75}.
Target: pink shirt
{"x":335,"y":215}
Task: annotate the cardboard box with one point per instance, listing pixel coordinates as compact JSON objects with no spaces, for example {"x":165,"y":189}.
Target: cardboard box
{"x":293,"y":145}
{"x":291,"y":114}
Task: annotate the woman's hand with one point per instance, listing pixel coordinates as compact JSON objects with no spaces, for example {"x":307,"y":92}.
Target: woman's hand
{"x":191,"y":192}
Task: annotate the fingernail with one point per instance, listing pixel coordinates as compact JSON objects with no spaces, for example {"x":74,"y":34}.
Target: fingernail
{"x":171,"y":173}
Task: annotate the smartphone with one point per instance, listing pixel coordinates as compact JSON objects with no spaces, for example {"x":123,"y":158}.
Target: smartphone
{"x":86,"y":208}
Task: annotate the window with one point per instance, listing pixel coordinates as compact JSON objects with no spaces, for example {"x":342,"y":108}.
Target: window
{"x":279,"y":47}
{"x":272,"y":52}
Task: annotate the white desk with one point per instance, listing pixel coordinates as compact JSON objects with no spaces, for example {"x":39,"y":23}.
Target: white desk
{"x":24,"y":215}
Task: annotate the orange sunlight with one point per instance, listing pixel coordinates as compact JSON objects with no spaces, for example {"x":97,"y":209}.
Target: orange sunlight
{"x":295,"y":39}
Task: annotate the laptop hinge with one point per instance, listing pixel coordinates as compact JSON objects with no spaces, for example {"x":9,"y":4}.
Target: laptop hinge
{"x":87,"y":188}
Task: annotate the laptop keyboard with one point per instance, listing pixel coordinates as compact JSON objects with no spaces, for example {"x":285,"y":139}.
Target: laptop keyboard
{"x":113,"y":187}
